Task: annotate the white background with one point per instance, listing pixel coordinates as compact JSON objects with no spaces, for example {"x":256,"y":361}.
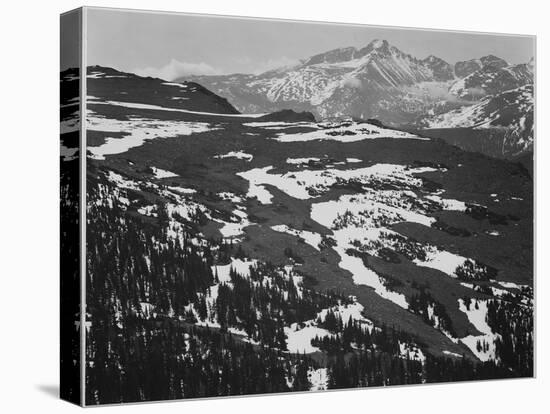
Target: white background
{"x":29,"y":157}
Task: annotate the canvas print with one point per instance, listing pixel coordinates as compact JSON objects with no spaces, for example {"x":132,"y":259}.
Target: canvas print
{"x":260,"y":206}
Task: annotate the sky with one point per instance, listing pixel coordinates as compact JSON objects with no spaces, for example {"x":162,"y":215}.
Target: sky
{"x":173,"y":45}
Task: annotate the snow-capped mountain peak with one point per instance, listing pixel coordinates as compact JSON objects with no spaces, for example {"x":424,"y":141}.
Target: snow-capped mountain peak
{"x":381,"y":46}
{"x":377,"y":43}
{"x":376,"y":48}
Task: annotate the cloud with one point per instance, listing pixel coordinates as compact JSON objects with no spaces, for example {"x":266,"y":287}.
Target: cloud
{"x":175,"y":69}
{"x":477,"y":92}
{"x":270,"y":64}
{"x":438,"y":91}
{"x":352,"y":82}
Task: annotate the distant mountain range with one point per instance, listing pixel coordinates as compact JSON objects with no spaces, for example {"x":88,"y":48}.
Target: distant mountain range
{"x":380,"y":81}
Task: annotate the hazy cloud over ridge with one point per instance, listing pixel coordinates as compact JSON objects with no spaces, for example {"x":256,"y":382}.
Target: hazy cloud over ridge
{"x":175,"y":69}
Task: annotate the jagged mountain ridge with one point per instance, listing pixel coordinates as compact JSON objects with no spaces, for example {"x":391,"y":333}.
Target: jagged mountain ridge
{"x":492,"y":80}
{"x":366,"y":82}
{"x":376,"y":81}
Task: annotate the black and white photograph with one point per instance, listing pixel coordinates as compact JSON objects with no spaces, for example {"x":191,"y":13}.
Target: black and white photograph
{"x":256,"y":206}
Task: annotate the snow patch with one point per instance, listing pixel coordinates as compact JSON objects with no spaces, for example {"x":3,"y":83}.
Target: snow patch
{"x":302,"y":184}
{"x":230,"y":230}
{"x":159,"y":173}
{"x":301,"y":160}
{"x":411,"y":351}
{"x":313,"y":239}
{"x":242,"y":267}
{"x":347,"y":132}
{"x":182,"y":190}
{"x":299,"y":339}
{"x":136,"y":132}
{"x":236,"y":154}
{"x":318,"y":378}
{"x":229,"y":196}
{"x":441,"y":260}
{"x":453,"y":354}
{"x":448,"y":204}
{"x":483,"y":346}
{"x":134,"y":105}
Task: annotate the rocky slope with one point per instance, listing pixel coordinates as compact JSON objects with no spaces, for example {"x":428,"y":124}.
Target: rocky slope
{"x":508,"y":114}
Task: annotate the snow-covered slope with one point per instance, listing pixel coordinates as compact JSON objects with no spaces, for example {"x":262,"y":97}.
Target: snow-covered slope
{"x":512,"y":110}
{"x":492,"y":79}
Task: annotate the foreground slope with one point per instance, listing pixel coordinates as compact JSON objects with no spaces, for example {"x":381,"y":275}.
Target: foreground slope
{"x":329,"y":254}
